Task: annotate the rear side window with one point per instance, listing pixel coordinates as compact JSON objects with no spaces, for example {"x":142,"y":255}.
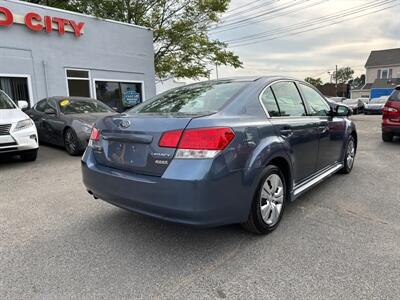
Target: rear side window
{"x":201,"y":98}
{"x":269,"y":102}
{"x":316,"y":104}
{"x":395,"y":96}
{"x":288,"y":99}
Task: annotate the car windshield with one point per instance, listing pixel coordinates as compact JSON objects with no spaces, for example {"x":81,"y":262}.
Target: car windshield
{"x":195,"y":99}
{"x":379,"y":100}
{"x":6,"y":102}
{"x":78,"y":106}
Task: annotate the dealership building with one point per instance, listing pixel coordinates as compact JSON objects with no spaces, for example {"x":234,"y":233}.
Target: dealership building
{"x":48,"y":52}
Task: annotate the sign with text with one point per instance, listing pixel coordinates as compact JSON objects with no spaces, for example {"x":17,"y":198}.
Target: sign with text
{"x":36,"y":22}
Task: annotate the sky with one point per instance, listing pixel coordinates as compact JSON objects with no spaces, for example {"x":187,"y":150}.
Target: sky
{"x":313,"y":53}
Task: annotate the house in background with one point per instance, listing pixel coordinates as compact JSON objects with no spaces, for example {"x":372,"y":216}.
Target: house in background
{"x":382,"y":74}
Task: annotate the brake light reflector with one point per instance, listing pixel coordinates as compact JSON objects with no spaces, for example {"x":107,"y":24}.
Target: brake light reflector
{"x":206,"y":138}
{"x":170,"y":139}
{"x":95,"y":134}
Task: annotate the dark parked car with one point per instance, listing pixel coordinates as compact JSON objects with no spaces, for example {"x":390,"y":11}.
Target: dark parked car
{"x":220,"y":152}
{"x":391,"y":116}
{"x":357,"y":105}
{"x":67,"y":121}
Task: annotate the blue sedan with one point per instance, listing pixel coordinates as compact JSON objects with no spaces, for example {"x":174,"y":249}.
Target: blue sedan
{"x":220,"y":152}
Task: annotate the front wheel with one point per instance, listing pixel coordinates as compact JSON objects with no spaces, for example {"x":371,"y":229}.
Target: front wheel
{"x":71,"y":142}
{"x":269,"y":203}
{"x":350,"y":155}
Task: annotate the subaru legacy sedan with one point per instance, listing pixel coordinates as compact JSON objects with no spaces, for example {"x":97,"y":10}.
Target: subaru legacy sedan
{"x":220,"y":152}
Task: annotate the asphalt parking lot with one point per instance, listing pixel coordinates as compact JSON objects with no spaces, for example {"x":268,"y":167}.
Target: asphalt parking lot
{"x":340,"y":240}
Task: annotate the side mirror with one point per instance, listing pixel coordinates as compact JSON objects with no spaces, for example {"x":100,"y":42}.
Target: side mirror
{"x":22,"y":104}
{"x":343,"y":111}
{"x":50,"y":111}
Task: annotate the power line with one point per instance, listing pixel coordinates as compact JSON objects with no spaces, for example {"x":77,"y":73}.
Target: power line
{"x":317,"y":21}
{"x":300,"y":25}
{"x":249,"y":9}
{"x":257,"y":15}
{"x":296,"y":10}
{"x":244,"y":5}
{"x":315,"y":28}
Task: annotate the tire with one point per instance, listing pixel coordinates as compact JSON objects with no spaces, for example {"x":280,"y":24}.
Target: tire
{"x":387,"y":137}
{"x":29,"y":155}
{"x":349,"y":156}
{"x":258,"y":224}
{"x":71,"y":142}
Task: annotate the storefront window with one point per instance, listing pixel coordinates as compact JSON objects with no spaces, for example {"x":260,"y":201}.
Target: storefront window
{"x":119,"y":95}
{"x":78,"y":83}
{"x":15,"y":87}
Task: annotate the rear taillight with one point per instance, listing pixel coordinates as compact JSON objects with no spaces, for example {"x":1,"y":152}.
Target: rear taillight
{"x":389,"y":111}
{"x":198,"y":143}
{"x":95,"y":134}
{"x":170,"y":139}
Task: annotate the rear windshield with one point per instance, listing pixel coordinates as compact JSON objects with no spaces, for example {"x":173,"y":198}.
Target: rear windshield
{"x":5,"y":101}
{"x":395,"y":96}
{"x":195,"y":99}
{"x":76,"y":106}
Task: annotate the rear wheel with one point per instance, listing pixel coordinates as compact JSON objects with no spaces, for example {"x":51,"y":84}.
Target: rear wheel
{"x":29,"y":155}
{"x":387,"y":137}
{"x":350,"y":155}
{"x":71,"y":142}
{"x":269,"y":203}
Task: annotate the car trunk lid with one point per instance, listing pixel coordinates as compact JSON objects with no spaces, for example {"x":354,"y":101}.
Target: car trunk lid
{"x":131,"y":142}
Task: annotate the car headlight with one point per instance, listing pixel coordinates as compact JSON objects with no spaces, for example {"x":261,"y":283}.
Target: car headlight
{"x":24,"y":124}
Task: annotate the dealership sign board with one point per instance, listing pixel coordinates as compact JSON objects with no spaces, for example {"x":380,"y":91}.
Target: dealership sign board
{"x":37,"y":22}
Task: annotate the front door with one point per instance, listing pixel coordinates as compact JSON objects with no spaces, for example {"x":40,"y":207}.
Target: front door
{"x":331,"y":130}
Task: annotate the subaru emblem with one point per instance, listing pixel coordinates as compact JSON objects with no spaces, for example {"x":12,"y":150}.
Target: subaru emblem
{"x":125,"y":124}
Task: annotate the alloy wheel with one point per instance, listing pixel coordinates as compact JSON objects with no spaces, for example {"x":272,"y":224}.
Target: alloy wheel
{"x":350,"y":154}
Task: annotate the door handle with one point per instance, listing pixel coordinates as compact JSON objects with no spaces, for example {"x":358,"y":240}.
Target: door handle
{"x":323,"y":128}
{"x":286,"y":132}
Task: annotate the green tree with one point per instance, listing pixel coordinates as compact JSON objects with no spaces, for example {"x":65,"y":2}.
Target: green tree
{"x":182,"y":47}
{"x":314,"y":81}
{"x":343,"y":75}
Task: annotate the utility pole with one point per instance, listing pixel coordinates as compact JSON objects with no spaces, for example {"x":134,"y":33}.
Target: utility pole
{"x":216,"y":69}
{"x":336,"y":81}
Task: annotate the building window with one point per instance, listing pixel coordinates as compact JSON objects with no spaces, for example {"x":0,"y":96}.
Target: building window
{"x":385,"y":74}
{"x":120,"y":96}
{"x":15,"y":87}
{"x":78,"y":82}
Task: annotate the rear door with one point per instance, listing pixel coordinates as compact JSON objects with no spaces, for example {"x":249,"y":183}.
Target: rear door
{"x":331,"y":130}
{"x":291,"y":123}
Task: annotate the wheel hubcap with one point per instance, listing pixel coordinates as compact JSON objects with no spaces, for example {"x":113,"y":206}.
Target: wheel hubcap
{"x":350,"y":154}
{"x":272,"y":196}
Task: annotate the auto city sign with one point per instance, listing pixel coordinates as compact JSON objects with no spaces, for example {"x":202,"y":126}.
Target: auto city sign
{"x":37,"y":22}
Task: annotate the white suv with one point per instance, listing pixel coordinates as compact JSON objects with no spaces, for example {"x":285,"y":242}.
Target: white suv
{"x":18,"y":133}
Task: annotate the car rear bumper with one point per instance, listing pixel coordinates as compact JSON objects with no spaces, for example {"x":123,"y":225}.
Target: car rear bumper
{"x":391,"y":129}
{"x":192,"y":201}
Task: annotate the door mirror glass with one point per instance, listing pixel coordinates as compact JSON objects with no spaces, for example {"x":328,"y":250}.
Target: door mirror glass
{"x":343,"y":111}
{"x":50,"y":111}
{"x":22,"y":104}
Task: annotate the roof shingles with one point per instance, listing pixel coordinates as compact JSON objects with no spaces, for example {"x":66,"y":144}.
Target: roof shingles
{"x":383,"y":58}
